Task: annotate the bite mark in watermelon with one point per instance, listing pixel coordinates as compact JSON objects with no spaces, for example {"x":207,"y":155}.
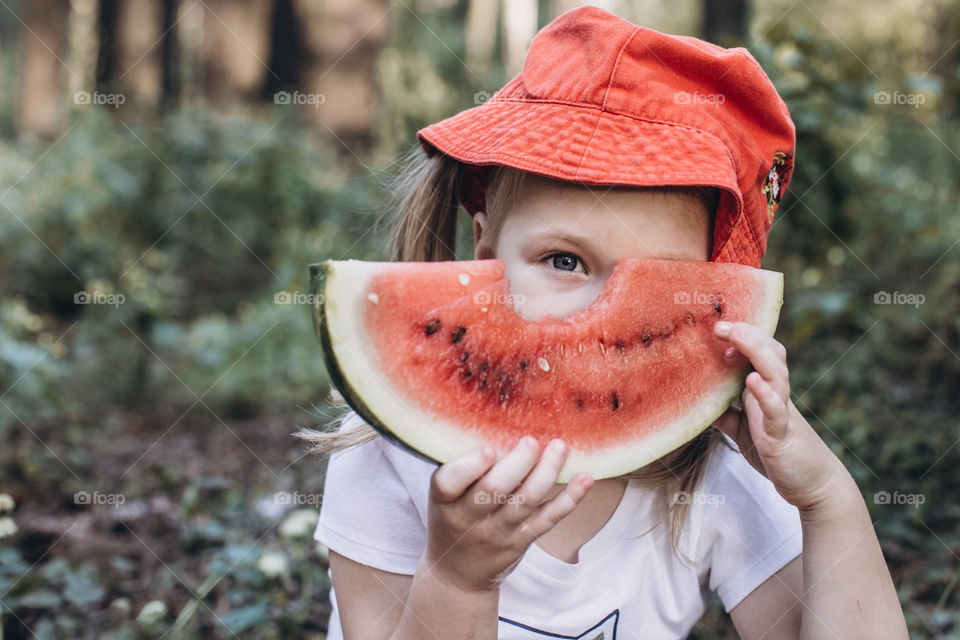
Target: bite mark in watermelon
{"x":435,"y":356}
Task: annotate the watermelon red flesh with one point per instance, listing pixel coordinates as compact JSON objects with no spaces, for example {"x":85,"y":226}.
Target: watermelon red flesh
{"x":438,"y":356}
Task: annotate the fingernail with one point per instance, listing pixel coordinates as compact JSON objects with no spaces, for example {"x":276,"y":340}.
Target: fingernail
{"x":558,"y":446}
{"x":530,"y":442}
{"x":586,"y":482}
{"x":722,"y":328}
{"x":729,"y":353}
{"x":488,"y":452}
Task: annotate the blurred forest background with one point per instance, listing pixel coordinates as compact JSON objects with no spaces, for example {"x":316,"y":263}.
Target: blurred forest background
{"x":168,"y":168}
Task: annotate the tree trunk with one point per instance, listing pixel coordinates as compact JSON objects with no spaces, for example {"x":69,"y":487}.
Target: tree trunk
{"x":170,"y":52}
{"x":286,"y":49}
{"x":236,"y":46}
{"x":943,"y":52}
{"x":43,"y":40}
{"x":188,"y":67}
{"x":138,"y":52}
{"x":481,"y":34}
{"x":341,"y":42}
{"x":725,"y":22}
{"x":519,"y":27}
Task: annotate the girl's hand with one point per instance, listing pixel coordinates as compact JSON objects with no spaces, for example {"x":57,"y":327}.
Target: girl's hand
{"x":770,"y":431}
{"x":480,"y":523}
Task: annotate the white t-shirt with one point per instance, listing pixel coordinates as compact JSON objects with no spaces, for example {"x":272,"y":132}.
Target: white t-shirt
{"x":626,"y":584}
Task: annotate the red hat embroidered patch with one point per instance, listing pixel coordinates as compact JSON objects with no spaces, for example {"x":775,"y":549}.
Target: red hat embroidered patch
{"x":777,"y":177}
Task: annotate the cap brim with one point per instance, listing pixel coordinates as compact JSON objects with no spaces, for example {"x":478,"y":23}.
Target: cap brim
{"x":584,"y":145}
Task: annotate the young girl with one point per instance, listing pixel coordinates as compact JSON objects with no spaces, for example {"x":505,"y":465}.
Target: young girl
{"x":693,"y":147}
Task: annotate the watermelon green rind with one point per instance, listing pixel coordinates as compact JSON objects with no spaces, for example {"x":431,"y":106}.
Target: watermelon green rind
{"x":349,"y":359}
{"x":318,"y":277}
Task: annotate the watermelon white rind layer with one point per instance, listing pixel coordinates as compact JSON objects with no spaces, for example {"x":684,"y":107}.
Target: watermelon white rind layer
{"x":356,"y":370}
{"x":349,"y":358}
{"x":345,"y":352}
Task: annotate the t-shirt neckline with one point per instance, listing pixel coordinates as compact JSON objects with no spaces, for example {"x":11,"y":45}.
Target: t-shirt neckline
{"x":600,"y":545}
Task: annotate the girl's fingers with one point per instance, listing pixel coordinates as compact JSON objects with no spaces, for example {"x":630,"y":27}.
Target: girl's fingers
{"x":536,"y":486}
{"x":774,"y":407}
{"x":753,"y":420}
{"x":766,"y":355}
{"x":450,"y":480}
{"x":494,"y":488}
{"x":550,"y":513}
{"x":734,"y":358}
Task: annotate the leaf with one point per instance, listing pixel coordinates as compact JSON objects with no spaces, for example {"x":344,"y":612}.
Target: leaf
{"x":39,"y":599}
{"x":237,"y":620}
{"x":81,"y":590}
{"x":56,"y":570}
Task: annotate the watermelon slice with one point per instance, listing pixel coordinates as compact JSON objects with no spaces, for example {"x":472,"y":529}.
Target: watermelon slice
{"x":435,"y":356}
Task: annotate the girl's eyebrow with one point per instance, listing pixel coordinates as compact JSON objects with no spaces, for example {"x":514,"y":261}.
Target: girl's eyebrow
{"x":555,"y":236}
{"x":588,"y":244}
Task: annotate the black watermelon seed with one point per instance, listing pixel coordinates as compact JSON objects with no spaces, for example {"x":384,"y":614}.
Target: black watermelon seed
{"x":579,"y":402}
{"x":503,"y":395}
{"x":501,"y":378}
{"x":717,"y":308}
{"x":467,"y":373}
{"x":483,"y":384}
{"x":464,"y":356}
{"x":619,"y":345}
{"x":646,"y":338}
{"x":523,"y":364}
{"x":458,"y":334}
{"x":484,"y":366}
{"x":432,"y":327}
{"x":616,"y":401}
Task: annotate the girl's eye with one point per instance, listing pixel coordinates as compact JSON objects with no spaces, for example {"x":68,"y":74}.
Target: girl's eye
{"x":566,"y":262}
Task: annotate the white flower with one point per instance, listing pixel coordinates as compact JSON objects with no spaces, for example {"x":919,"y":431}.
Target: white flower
{"x":7,"y":527}
{"x":6,"y":502}
{"x":152,"y":613}
{"x":273,"y":564}
{"x":300,"y":523}
{"x":121,"y":606}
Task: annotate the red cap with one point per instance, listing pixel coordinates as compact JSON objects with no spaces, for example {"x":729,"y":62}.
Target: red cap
{"x":602,"y":101}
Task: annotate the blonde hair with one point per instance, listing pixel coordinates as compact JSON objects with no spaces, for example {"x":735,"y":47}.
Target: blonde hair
{"x":424,"y":228}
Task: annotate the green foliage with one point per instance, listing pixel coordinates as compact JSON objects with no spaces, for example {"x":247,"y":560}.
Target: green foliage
{"x":187,"y":229}
{"x":268,"y":585}
{"x":195,"y":232}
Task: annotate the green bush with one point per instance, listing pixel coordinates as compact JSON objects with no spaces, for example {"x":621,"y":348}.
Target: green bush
{"x":191,"y":225}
